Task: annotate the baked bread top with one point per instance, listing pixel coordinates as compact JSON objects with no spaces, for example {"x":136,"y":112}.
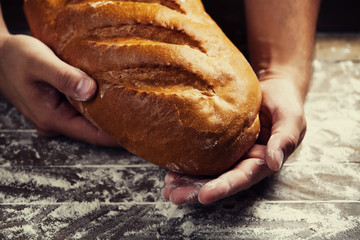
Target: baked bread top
{"x":172,"y":88}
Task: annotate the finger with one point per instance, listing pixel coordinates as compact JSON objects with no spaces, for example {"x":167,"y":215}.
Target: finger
{"x":256,"y":151}
{"x":169,"y":183}
{"x":67,"y":79}
{"x":286,"y":135}
{"x":181,"y":188}
{"x":68,"y":122}
{"x":89,"y":132}
{"x":266,"y":124}
{"x":185,"y":194}
{"x":171,"y":177}
{"x":54,"y":115}
{"x":245,"y":175}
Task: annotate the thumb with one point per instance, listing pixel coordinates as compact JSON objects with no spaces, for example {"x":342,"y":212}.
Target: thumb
{"x":74,"y":83}
{"x":286,"y":135}
{"x":71,"y":81}
{"x":67,"y":79}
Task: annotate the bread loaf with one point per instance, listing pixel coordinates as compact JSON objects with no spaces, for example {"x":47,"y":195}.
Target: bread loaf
{"x":171,"y":87}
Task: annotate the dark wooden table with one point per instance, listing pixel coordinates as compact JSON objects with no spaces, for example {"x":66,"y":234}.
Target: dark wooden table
{"x":58,"y":188}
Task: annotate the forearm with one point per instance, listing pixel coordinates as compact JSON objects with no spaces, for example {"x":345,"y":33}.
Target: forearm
{"x":3,"y":28}
{"x":4,"y":33}
{"x":281,"y":37}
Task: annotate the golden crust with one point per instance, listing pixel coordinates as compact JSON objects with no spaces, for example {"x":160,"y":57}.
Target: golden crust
{"x":171,"y":87}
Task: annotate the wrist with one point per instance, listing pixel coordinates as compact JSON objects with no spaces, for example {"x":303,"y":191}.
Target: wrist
{"x":299,"y":78}
{"x":4,"y":35}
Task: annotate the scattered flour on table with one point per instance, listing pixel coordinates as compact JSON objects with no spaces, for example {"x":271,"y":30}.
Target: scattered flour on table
{"x":20,"y":232}
{"x":28,"y":229}
{"x":188,"y":228}
{"x":59,"y":218}
{"x":34,"y":199}
{"x":10,"y":178}
{"x":316,"y":180}
{"x":5,"y":164}
{"x":74,"y":210}
{"x":170,"y":210}
{"x":327,"y":220}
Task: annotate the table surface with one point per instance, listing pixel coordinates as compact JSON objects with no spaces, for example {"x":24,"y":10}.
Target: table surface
{"x":59,"y":188}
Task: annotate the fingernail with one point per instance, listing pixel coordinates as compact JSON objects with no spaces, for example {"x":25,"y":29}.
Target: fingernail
{"x":83,"y":88}
{"x":219,"y":189}
{"x":170,"y":177}
{"x":165,"y":193}
{"x":192,"y":197}
{"x":260,"y":161}
{"x":276,"y":158}
{"x":279,"y":158}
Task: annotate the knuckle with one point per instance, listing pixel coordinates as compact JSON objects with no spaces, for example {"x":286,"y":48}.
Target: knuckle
{"x":297,"y":112}
{"x":94,"y":140}
{"x":44,"y":128}
{"x":46,"y":132}
{"x":291,"y":143}
{"x":64,"y":80}
{"x":292,"y":140}
{"x":302,"y":133}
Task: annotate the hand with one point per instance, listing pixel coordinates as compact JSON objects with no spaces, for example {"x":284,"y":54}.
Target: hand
{"x":283,"y":127}
{"x":35,"y":81}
